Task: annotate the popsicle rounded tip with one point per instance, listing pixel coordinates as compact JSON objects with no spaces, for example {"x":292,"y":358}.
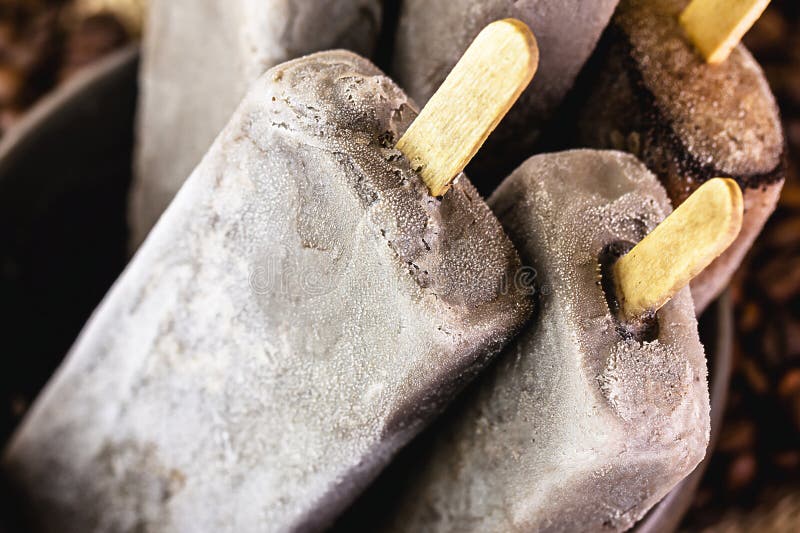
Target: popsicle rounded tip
{"x":521,"y":39}
{"x":730,"y":200}
{"x":715,"y":27}
{"x":684,"y":244}
{"x":471,"y":102}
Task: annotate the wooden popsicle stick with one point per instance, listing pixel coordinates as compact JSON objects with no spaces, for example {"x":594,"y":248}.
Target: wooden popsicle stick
{"x":716,"y":26}
{"x":685,"y":243}
{"x":474,"y":97}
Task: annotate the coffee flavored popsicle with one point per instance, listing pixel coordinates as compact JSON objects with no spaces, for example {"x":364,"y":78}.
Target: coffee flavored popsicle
{"x":199,"y":58}
{"x":591,"y":415}
{"x":432,"y":35}
{"x":300,"y":311}
{"x":654,"y":95}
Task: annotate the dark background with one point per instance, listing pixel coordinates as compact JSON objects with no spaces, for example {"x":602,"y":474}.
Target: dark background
{"x":753,"y":482}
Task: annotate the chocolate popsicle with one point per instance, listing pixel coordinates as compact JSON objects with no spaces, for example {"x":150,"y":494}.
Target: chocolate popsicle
{"x":654,"y":95}
{"x":300,"y":311}
{"x":199,"y":58}
{"x":582,"y":424}
{"x":432,"y":35}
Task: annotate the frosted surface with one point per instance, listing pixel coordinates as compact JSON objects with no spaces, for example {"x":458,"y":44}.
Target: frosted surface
{"x":300,"y":311}
{"x":199,"y":58}
{"x":432,"y":36}
{"x":575,"y":428}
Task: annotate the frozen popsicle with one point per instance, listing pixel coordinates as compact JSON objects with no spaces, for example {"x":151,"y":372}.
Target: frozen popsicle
{"x":432,"y":35}
{"x":199,"y":57}
{"x":653,"y":94}
{"x":591,"y":415}
{"x":300,"y":311}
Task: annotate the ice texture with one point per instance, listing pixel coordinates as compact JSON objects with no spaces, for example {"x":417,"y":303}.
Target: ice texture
{"x":299,"y":312}
{"x":199,"y":58}
{"x":654,"y":96}
{"x":575,"y":427}
{"x":432,"y":36}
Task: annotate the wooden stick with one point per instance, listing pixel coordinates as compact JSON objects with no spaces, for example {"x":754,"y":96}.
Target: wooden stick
{"x":685,"y":243}
{"x":716,"y":26}
{"x":476,"y":95}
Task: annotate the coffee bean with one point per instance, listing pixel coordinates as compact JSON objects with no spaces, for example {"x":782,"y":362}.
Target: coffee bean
{"x":749,"y":316}
{"x":792,"y":338}
{"x":92,"y":39}
{"x":737,"y":436}
{"x":11,"y":85}
{"x":780,"y":278}
{"x":742,"y":471}
{"x":788,"y":460}
{"x":754,"y":375}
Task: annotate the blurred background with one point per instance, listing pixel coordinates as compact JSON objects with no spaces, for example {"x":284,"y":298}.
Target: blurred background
{"x":44,"y":42}
{"x":753,"y":481}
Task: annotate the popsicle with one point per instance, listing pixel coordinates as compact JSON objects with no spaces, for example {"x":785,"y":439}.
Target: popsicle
{"x":601,"y":405}
{"x":199,"y":57}
{"x":432,"y":35}
{"x":654,"y":95}
{"x":301,"y":310}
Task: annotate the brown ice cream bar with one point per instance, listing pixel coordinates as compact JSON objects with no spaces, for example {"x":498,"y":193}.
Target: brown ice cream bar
{"x":581,"y":425}
{"x":301,"y":310}
{"x":432,"y":36}
{"x":653,"y":94}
